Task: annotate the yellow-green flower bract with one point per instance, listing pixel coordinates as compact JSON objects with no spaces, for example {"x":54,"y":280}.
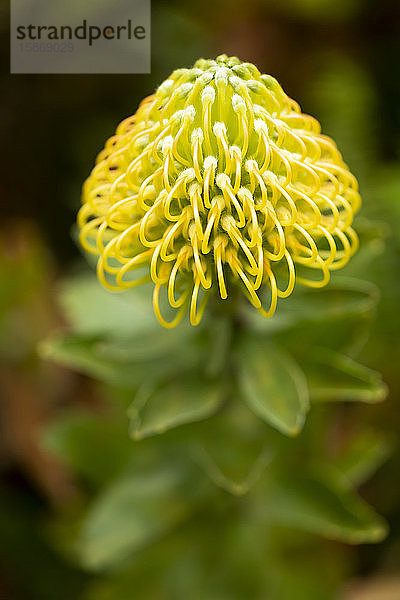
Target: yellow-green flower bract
{"x":219,"y":180}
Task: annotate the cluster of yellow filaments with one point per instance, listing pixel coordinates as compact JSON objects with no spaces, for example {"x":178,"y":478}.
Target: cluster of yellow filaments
{"x":219,"y":180}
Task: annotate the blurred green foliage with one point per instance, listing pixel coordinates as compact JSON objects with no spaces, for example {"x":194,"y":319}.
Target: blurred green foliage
{"x":205,"y":437}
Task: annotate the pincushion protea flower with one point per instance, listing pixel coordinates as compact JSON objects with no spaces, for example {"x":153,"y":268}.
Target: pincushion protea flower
{"x":219,"y":180}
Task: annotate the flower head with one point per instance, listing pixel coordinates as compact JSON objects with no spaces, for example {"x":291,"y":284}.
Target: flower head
{"x":219,"y":180}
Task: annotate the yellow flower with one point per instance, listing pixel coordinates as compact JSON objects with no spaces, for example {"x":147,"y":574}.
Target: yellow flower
{"x":217,"y":181}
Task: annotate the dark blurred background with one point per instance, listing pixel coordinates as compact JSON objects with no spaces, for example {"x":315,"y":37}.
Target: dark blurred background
{"x":340,"y":59}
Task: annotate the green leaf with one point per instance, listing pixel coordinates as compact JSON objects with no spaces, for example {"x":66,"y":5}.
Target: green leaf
{"x":232,"y":567}
{"x":185,"y":564}
{"x":134,"y":512}
{"x":125,"y":320}
{"x":86,"y":354}
{"x":233,"y":447}
{"x":272,"y":384}
{"x":342,"y":297}
{"x":320,"y":505}
{"x":119,"y":363}
{"x":95,"y":447}
{"x":170,"y":568}
{"x":93,"y":310}
{"x":182,"y":399}
{"x":151,"y":344}
{"x":334,"y":377}
{"x":347,"y":334}
{"x":362,"y":456}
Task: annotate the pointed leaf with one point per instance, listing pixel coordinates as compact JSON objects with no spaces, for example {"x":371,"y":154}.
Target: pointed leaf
{"x":319,"y":505}
{"x":334,"y":377}
{"x":85,"y":355}
{"x":95,"y":447}
{"x":272,"y":384}
{"x":343,"y":297}
{"x":93,"y":310}
{"x":134,"y":512}
{"x":347,"y":334}
{"x":118,"y":364}
{"x":362,"y":456}
{"x":182,"y":399}
{"x":233,"y":448}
